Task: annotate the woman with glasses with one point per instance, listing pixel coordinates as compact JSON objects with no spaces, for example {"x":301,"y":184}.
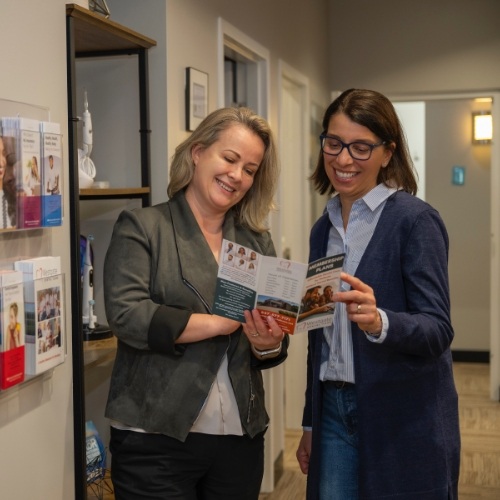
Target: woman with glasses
{"x":381,"y":411}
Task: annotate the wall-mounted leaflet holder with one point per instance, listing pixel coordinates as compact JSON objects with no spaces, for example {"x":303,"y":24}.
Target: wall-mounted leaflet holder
{"x":33,"y":337}
{"x":31,"y":184}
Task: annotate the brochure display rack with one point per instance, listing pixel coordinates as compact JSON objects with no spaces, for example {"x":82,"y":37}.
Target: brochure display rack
{"x":32,"y":341}
{"x":31,"y":155}
{"x":90,"y":37}
{"x":32,"y":322}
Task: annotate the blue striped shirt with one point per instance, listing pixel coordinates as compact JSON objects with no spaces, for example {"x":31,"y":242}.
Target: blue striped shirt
{"x":337,"y":357}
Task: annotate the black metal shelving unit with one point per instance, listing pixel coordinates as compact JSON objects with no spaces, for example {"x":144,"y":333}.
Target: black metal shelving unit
{"x":91,"y":35}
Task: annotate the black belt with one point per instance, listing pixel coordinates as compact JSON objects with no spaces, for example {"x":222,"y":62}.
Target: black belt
{"x":339,"y":384}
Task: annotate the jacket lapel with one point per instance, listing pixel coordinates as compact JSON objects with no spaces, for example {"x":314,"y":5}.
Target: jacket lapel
{"x":198,"y":265}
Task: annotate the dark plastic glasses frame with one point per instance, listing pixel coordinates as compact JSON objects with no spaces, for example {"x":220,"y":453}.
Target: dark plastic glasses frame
{"x":322,"y":138}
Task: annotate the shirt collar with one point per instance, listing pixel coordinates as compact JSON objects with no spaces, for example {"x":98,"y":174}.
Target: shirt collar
{"x":372,"y":199}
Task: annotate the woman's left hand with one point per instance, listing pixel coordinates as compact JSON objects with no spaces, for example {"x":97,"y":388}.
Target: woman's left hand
{"x":361,"y":305}
{"x":262,"y":334}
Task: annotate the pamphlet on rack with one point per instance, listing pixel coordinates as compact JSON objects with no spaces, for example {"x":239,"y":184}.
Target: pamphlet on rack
{"x":26,"y":134}
{"x":51,"y":174}
{"x":44,"y":312}
{"x":11,"y":328}
{"x":295,"y":294}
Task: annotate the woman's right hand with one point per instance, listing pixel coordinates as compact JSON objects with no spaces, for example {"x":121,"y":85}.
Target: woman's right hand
{"x":303,"y":453}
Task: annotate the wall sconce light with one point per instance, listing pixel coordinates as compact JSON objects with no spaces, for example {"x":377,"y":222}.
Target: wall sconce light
{"x":482,"y":127}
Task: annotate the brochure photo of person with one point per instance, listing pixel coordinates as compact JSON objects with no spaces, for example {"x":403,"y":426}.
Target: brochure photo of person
{"x":316,"y":301}
{"x":31,"y":178}
{"x":243,"y":259}
{"x":13,"y":338}
{"x":8,"y":205}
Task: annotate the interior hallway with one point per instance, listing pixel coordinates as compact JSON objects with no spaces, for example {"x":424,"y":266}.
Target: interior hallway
{"x":480,"y":430}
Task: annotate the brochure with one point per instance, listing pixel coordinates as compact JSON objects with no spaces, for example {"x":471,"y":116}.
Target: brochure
{"x":11,"y":328}
{"x":51,"y":174}
{"x":44,"y":308}
{"x":297,"y":295}
{"x":26,"y":137}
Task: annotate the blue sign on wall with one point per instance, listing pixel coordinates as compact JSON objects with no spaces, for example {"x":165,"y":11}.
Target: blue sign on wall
{"x":458,"y":176}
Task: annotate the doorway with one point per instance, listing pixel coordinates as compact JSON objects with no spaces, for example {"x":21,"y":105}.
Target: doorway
{"x":470,"y":209}
{"x":294,"y":216}
{"x":244,"y":69}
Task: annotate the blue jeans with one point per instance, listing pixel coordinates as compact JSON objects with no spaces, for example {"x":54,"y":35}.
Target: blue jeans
{"x":339,"y":443}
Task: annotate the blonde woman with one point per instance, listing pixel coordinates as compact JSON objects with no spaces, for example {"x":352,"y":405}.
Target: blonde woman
{"x":186,"y":400}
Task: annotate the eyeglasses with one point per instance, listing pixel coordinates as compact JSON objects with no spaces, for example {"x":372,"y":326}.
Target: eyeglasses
{"x":357,"y":150}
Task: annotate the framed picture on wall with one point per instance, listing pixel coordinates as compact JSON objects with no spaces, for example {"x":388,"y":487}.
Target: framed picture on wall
{"x":196,"y":97}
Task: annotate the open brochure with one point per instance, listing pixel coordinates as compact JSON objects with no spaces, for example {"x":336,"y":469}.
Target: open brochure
{"x":297,"y":295}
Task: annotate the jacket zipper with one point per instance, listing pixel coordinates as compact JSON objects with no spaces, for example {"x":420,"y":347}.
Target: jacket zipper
{"x":252,"y":399}
{"x":198,"y":294}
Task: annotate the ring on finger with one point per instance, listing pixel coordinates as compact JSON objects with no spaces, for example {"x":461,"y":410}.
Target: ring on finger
{"x":358,"y":310}
{"x":255,"y":334}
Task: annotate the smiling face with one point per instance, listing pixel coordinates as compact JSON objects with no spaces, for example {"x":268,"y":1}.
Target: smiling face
{"x":351,"y":178}
{"x":315,"y":295}
{"x":224,"y":171}
{"x":328,"y":293}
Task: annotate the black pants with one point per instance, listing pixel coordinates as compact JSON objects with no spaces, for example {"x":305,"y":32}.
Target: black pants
{"x":204,"y":467}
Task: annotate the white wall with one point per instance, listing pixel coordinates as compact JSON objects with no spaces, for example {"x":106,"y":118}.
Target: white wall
{"x":412,"y":116}
{"x":36,"y":424}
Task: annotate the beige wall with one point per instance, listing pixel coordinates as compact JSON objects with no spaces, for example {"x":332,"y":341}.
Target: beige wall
{"x":398,"y":46}
{"x":293,"y":31}
{"x":466,"y":213}
{"x":403,"y":47}
{"x":36,"y":422}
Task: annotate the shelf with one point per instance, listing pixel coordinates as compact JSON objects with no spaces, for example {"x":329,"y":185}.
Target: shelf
{"x":92,"y":194}
{"x":95,"y":33}
{"x":90,"y":35}
{"x":97,"y":352}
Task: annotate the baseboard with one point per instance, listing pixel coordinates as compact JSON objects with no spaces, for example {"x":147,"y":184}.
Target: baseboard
{"x":471,"y":356}
{"x":279,"y":467}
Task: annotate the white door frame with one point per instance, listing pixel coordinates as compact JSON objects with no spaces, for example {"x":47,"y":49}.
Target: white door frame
{"x":295,"y":169}
{"x":495,"y":224}
{"x":229,"y":36}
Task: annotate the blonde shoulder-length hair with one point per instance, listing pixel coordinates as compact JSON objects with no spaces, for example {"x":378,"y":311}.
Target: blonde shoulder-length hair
{"x":253,"y":210}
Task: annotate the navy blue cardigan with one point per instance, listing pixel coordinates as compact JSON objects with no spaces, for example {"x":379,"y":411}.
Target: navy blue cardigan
{"x":407,"y":402}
